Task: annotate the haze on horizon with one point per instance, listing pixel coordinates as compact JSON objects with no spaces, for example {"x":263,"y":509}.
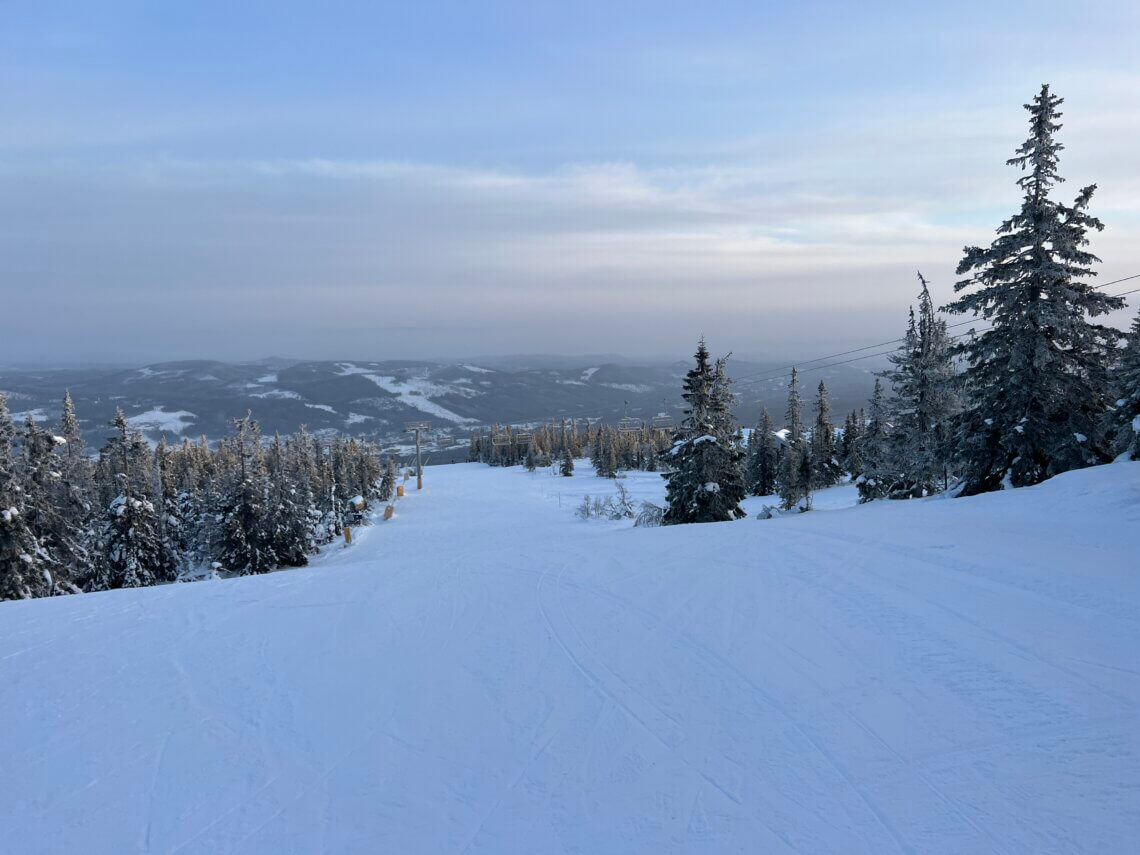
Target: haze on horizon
{"x":362,"y":180}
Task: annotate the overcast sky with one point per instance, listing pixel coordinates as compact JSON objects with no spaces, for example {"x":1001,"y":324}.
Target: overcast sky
{"x":376,"y":180}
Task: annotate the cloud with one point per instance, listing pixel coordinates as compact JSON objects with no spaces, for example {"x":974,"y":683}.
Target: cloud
{"x":234,"y":254}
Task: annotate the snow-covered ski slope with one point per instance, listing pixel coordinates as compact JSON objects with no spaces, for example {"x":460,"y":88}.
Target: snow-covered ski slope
{"x":487,"y":673}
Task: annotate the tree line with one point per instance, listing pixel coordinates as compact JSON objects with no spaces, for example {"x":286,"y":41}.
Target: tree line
{"x":1042,"y":390}
{"x":134,"y":516}
{"x":609,"y":448}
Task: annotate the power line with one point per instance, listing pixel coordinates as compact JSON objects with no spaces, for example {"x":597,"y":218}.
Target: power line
{"x":868,"y":356}
{"x":799,"y":365}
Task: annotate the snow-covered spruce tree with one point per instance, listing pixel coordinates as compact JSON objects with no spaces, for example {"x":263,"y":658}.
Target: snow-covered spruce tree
{"x":242,"y":538}
{"x":24,"y":565}
{"x":762,"y":457}
{"x":64,"y":544}
{"x":388,"y":480}
{"x":1036,"y":381}
{"x":875,"y":456}
{"x":567,"y":467}
{"x":125,"y":452}
{"x":850,"y":445}
{"x":1127,"y":415}
{"x":72,"y":498}
{"x":825,"y":467}
{"x":171,"y":527}
{"x":612,"y":466}
{"x":132,"y":553}
{"x":791,"y":484}
{"x":197,"y":498}
{"x":707,"y":481}
{"x":289,"y":507}
{"x":924,"y":403}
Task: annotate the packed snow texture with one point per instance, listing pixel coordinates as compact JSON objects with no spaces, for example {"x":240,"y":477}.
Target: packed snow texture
{"x":486,"y":673}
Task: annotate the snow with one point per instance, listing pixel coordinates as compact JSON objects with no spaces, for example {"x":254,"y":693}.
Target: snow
{"x":268,"y":378}
{"x":413,"y":392}
{"x":37,"y":415}
{"x":283,"y":394}
{"x":158,"y":419}
{"x":1136,"y":424}
{"x":356,"y":418}
{"x":147,"y":373}
{"x":487,"y":673}
{"x":324,"y":407}
{"x":1080,"y":437}
{"x":477,"y":369}
{"x":590,"y":372}
{"x":629,"y":387}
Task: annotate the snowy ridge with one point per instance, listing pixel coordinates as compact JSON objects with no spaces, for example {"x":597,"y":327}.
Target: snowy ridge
{"x":413,"y":392}
{"x":488,"y":673}
{"x":161,"y":420}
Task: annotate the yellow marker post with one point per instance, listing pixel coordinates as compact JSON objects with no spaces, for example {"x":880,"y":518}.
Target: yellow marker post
{"x":347,"y":536}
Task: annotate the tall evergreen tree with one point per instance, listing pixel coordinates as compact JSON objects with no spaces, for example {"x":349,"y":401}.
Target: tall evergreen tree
{"x":877,"y":475}
{"x":289,"y":505}
{"x":132,"y":554}
{"x":567,"y":467}
{"x":768,"y":461}
{"x":388,"y":480}
{"x":62,"y":540}
{"x":851,"y":444}
{"x":762,"y":457}
{"x":25,"y":570}
{"x":792,"y":484}
{"x":924,"y":403}
{"x":73,"y":499}
{"x":1127,"y":415}
{"x":171,"y":526}
{"x":707,"y":481}
{"x":825,"y":467}
{"x":1036,"y":380}
{"x":243,"y":535}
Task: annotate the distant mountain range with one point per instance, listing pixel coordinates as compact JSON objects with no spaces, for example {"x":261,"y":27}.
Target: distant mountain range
{"x":376,"y":399}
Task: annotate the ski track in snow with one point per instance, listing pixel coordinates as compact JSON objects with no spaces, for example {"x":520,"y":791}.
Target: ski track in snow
{"x":486,"y":673}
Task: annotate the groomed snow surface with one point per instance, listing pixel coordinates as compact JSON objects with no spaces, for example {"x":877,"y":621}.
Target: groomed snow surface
{"x":487,"y":673}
